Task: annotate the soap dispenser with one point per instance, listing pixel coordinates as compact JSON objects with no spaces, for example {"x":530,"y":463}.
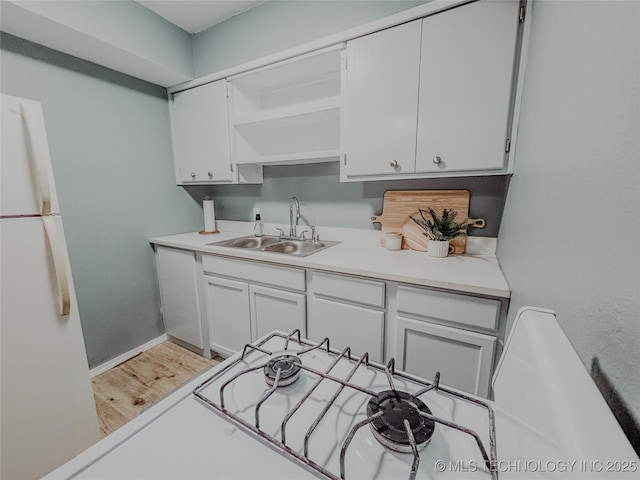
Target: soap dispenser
{"x":258,"y":227}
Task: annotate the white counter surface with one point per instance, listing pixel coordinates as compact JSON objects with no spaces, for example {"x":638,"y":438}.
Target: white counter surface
{"x":360,"y":253}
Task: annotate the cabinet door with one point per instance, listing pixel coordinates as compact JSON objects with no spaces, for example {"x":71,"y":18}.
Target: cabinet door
{"x":381,"y":104}
{"x":179,"y":294}
{"x":273,"y":309}
{"x":464,"y":359}
{"x":347,"y":325}
{"x":227,"y":314}
{"x":200,"y":127}
{"x":466,"y":70}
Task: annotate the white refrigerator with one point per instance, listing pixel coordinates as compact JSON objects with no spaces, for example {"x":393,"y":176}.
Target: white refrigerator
{"x":47,"y":412}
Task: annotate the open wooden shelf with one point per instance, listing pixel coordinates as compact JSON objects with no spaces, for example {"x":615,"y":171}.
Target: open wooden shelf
{"x":288,"y":112}
{"x":292,"y":158}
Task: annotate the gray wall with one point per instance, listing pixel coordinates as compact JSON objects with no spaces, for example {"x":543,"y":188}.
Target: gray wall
{"x":110,"y":148}
{"x":569,"y":238}
{"x":325,"y":201}
{"x":275,"y":26}
{"x":278,"y":25}
{"x":110,"y":30}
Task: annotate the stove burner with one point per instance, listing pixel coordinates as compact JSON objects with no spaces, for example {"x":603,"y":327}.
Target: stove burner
{"x":389,"y":429}
{"x":289,"y":366}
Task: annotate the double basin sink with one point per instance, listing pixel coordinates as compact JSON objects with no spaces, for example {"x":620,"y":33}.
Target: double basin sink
{"x":273,"y":244}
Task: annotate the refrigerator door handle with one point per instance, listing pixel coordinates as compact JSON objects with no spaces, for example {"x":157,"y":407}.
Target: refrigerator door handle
{"x":59,"y":264}
{"x":39,"y":150}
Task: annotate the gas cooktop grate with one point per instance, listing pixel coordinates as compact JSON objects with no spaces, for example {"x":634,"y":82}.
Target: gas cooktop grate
{"x":275,"y":379}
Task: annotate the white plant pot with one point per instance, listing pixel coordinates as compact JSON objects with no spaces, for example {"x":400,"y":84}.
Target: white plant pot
{"x":438,"y":249}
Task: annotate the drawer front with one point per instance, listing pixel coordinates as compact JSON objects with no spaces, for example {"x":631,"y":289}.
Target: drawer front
{"x":350,"y":289}
{"x":285,"y":277}
{"x":450,"y":307}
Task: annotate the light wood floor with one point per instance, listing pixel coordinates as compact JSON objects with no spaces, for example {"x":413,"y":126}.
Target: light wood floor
{"x":123,"y":392}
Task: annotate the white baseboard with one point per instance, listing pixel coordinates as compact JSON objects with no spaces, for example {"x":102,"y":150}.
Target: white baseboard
{"x":114,"y":362}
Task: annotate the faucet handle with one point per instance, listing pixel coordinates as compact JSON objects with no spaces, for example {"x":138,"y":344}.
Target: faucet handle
{"x":314,"y":235}
{"x":280,"y":232}
{"x":303,"y":233}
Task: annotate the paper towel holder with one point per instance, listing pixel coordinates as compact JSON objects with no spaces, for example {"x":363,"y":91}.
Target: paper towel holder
{"x":209,"y":216}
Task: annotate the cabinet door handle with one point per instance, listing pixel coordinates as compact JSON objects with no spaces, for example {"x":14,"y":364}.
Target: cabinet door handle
{"x":437,"y":160}
{"x":393,"y":163}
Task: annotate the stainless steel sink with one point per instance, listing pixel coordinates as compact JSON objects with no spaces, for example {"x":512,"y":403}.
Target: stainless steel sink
{"x":298,"y":248}
{"x":255,"y":243}
{"x":272,"y":244}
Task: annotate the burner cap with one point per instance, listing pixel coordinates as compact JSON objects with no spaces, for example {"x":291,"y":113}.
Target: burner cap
{"x":389,"y":428}
{"x":289,"y":366}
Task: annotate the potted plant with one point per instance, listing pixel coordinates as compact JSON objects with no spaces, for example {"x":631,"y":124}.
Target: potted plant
{"x":439,"y":230}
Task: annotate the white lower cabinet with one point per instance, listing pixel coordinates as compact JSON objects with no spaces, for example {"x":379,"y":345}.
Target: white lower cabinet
{"x":178,"y":282}
{"x":255,"y":302}
{"x":273,"y":309}
{"x":425,"y":330}
{"x":464,"y":359}
{"x":452,"y":333}
{"x":346,"y":325}
{"x":349,"y":311}
{"x":228,"y":316}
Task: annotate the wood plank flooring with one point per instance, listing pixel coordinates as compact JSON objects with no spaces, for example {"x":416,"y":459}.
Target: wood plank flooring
{"x":123,"y":392}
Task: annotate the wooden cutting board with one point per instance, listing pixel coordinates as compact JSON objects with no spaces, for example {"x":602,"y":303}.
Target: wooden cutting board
{"x":399,"y":204}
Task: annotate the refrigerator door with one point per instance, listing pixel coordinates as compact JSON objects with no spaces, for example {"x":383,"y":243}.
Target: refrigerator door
{"x":27,"y":179}
{"x":48,"y":413}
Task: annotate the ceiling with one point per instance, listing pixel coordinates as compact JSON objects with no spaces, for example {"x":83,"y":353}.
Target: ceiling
{"x":196,"y":15}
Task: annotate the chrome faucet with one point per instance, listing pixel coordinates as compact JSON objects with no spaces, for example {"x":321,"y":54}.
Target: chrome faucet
{"x":294,"y":214}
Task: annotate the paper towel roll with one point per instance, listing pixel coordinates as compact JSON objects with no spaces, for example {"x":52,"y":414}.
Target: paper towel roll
{"x":209,"y":216}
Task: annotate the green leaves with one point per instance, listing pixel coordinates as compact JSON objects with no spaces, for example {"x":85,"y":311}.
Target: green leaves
{"x":443,"y":228}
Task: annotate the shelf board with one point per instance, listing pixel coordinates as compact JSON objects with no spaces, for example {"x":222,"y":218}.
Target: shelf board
{"x":298,"y":69}
{"x":292,"y":158}
{"x":298,"y":110}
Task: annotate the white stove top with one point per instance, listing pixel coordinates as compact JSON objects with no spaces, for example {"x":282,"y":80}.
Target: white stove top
{"x":189,"y":436}
{"x":365,"y":457}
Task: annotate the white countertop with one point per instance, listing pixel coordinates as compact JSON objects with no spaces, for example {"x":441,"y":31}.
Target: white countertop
{"x":360,"y":253}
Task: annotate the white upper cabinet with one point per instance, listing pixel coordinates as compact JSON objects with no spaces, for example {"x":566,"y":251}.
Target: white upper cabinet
{"x":200,"y":127}
{"x":201,"y":134}
{"x":288,"y":112}
{"x":430,"y":92}
{"x":466,"y":73}
{"x":432,"y":97}
{"x":381,"y":101}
